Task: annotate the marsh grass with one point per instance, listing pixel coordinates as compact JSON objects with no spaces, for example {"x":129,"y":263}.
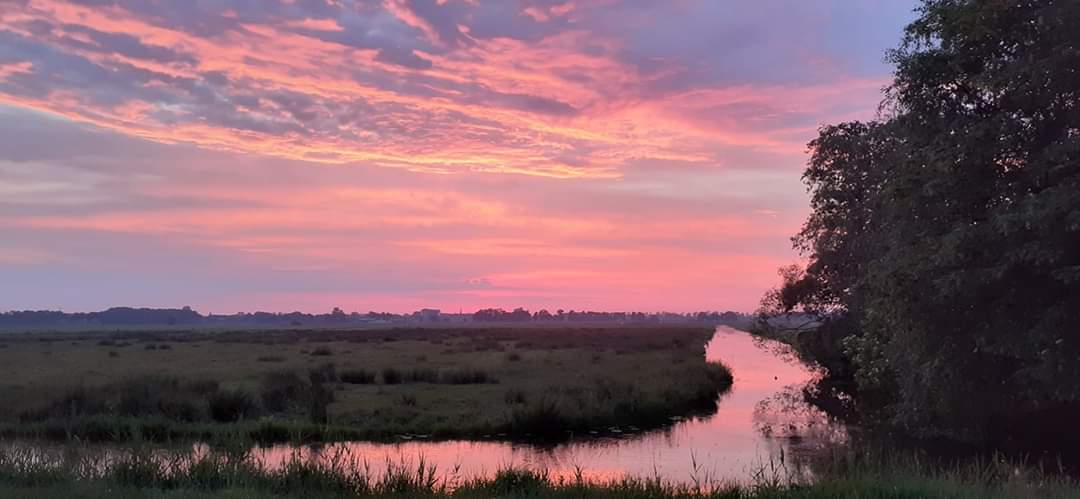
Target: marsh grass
{"x":849,"y":472}
{"x":136,"y":397}
{"x":719,"y":375}
{"x":163,"y":409}
{"x":357,"y":376}
{"x":421,"y":375}
{"x":514,"y":397}
{"x":268,"y":387}
{"x":144,"y":472}
{"x":325,"y":373}
{"x":462,"y":376}
{"x":467,"y":377}
{"x":280,"y":390}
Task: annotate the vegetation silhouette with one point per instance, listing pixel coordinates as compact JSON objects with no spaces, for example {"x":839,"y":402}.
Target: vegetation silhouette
{"x":944,"y":240}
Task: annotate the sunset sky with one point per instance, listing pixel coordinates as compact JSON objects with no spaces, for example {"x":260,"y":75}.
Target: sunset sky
{"x":390,"y":155}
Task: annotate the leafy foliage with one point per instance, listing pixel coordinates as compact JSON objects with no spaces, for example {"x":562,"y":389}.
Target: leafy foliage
{"x":944,"y":239}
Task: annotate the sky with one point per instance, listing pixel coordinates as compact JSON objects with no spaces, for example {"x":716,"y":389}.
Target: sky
{"x":279,"y":155}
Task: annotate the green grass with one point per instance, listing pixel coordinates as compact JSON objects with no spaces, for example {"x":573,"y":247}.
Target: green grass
{"x":71,"y":473}
{"x":274,"y":385}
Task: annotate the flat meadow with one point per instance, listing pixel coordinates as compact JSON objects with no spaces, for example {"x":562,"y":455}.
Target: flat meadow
{"x":276,"y":385}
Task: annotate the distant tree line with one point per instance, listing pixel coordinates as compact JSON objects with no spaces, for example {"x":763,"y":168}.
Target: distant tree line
{"x":944,"y":240}
{"x":127,"y":316}
{"x":117,"y":316}
{"x":543,"y":315}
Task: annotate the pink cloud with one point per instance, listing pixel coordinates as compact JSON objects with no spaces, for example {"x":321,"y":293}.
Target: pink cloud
{"x":407,"y":153}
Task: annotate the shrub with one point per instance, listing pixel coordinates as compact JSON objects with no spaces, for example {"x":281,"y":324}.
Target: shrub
{"x":183,"y":406}
{"x":544,"y":418}
{"x":422,"y":376}
{"x":144,"y":396}
{"x":466,"y":377}
{"x":322,"y":352}
{"x":391,"y":376}
{"x":357,"y":376}
{"x":513,"y":357}
{"x":719,"y":375}
{"x":281,"y":389}
{"x":270,"y":358}
{"x":227,"y":406}
{"x":153,"y":396}
{"x":78,"y":401}
{"x":325,"y":373}
{"x":320,"y":397}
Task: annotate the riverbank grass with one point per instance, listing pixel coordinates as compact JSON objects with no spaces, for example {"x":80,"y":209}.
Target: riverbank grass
{"x":25,"y":473}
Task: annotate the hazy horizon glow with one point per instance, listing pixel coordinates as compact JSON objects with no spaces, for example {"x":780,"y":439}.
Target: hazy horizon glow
{"x":390,"y":155}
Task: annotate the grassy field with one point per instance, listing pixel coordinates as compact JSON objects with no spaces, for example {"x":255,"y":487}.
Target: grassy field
{"x":222,"y":476}
{"x":278,"y":385}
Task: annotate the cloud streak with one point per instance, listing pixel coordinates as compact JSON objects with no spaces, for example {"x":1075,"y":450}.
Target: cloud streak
{"x":422,"y":85}
{"x":490,"y":153}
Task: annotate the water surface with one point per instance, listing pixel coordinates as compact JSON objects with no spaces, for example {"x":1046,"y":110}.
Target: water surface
{"x":761,"y":420}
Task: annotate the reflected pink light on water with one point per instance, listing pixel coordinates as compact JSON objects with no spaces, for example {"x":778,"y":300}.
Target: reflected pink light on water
{"x":745,"y":432}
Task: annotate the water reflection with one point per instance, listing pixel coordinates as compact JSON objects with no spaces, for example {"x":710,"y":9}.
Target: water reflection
{"x":763,"y":418}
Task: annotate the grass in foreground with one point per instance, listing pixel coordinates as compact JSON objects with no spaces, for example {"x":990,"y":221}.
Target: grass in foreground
{"x":212,"y":476}
{"x":317,"y":385}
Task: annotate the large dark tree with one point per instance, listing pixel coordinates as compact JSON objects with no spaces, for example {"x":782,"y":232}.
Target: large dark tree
{"x":944,"y":239}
